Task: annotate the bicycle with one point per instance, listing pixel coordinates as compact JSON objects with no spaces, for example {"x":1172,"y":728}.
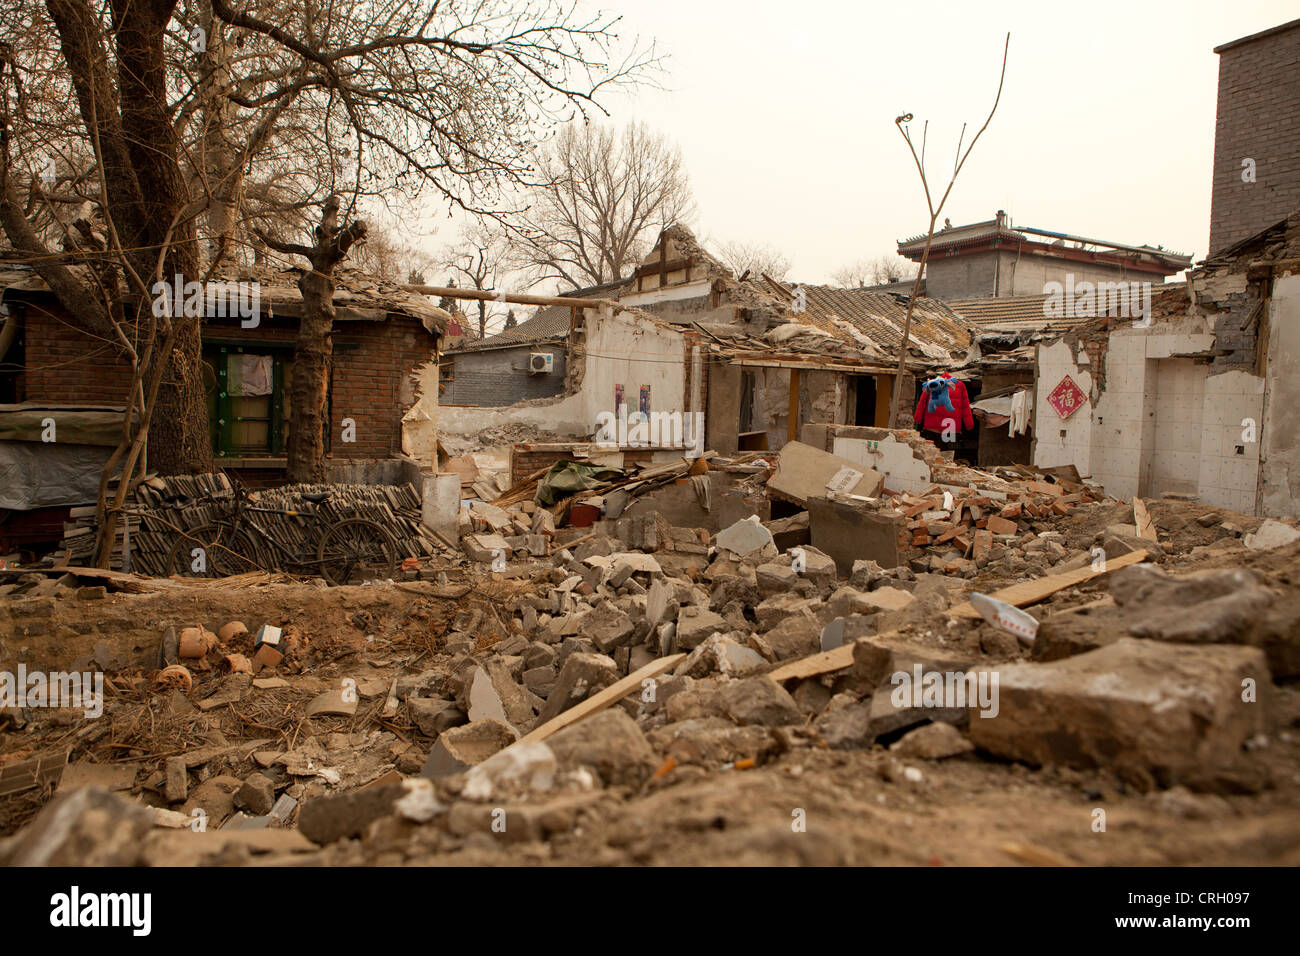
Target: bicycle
{"x":346,"y":551}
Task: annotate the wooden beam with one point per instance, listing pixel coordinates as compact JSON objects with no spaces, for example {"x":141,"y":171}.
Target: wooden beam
{"x":599,"y":701}
{"x":1019,"y":594}
{"x":792,"y":426}
{"x":1030,"y":592}
{"x":448,"y":292}
{"x":1142,"y":520}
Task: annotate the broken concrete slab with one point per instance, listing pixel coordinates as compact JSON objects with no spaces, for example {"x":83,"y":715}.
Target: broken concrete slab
{"x":802,"y":472}
{"x":760,"y":700}
{"x":609,"y":743}
{"x":1271,"y":534}
{"x":932,"y":742}
{"x":338,"y":816}
{"x":848,"y":533}
{"x":744,"y":537}
{"x":458,"y":749}
{"x":580,"y":676}
{"x":695,"y":624}
{"x":1157,"y":713}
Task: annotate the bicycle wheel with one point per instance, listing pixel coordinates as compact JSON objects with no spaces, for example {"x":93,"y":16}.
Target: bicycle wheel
{"x":214,"y":550}
{"x":356,"y":550}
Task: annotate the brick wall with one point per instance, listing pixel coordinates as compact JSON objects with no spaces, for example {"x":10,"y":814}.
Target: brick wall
{"x":65,"y":366}
{"x":372,"y":380}
{"x":1259,"y":119}
{"x":528,"y":457}
{"x":497,"y":377}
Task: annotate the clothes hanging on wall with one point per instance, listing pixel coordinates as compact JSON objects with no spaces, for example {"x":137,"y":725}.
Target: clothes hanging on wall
{"x":944,"y":406}
{"x":1019,"y":413}
{"x":248,"y":375}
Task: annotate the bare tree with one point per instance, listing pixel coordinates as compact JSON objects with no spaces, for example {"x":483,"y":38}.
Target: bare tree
{"x":604,"y":196}
{"x":314,"y":348}
{"x":877,"y":271}
{"x":960,"y":160}
{"x":480,"y":260}
{"x":176,"y":131}
{"x":386,"y":256}
{"x":754,"y":258}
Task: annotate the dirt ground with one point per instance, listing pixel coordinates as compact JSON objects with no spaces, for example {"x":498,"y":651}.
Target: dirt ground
{"x":802,"y":804}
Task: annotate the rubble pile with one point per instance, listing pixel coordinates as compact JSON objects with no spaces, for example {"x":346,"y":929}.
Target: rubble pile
{"x":586,"y":664}
{"x":595,"y":670}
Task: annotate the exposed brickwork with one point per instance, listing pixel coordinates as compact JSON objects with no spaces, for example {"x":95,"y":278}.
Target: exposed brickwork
{"x":373,"y":380}
{"x":66,"y":366}
{"x":498,"y":377}
{"x":528,"y":457}
{"x":1259,"y":119}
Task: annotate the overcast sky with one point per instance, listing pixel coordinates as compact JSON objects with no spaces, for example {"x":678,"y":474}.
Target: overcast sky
{"x":785,"y":115}
{"x":784,"y":112}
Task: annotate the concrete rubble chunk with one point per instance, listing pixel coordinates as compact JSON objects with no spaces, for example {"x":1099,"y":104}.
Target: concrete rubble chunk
{"x":433,"y":716}
{"x":87,"y":826}
{"x":256,"y":795}
{"x":711,"y":741}
{"x":932,"y":742}
{"x":775,"y":577}
{"x":608,"y":628}
{"x":339,"y":816}
{"x":845,"y":723}
{"x":1271,"y":534}
{"x":695,"y":624}
{"x":610,"y":744}
{"x":526,"y":766}
{"x":1158,"y":711}
{"x":484,"y":548}
{"x":744,"y":537}
{"x":580,"y":676}
{"x":458,"y":749}
{"x":760,"y":700}
{"x":721,"y":654}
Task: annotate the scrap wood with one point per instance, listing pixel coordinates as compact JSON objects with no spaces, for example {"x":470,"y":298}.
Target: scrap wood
{"x":832,"y":660}
{"x":599,"y":701}
{"x":1145,"y":527}
{"x":1030,"y":592}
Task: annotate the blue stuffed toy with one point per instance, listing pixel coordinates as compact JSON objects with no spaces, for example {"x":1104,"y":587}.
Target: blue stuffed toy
{"x":937,"y":389}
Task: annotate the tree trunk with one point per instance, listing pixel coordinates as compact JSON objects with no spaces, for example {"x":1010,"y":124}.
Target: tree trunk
{"x":309,"y":385}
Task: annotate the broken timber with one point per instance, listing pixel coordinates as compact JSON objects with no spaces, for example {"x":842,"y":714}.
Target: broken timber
{"x":1027,"y":592}
{"x":610,"y":695}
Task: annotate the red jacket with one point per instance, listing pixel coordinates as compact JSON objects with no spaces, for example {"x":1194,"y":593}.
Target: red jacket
{"x":937,"y":420}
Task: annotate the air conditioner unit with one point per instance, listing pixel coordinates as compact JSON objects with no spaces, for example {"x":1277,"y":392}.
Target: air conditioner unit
{"x":541,"y":363}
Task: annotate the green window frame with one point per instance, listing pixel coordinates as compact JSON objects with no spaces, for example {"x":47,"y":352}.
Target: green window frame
{"x":221,"y":405}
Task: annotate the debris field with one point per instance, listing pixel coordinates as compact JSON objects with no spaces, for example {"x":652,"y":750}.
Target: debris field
{"x":1035,"y":674}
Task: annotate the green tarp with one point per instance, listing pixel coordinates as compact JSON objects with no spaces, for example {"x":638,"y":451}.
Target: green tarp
{"x":567,"y":478}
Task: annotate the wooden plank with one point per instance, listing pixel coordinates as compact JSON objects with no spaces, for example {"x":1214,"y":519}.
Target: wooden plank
{"x":1030,"y":592}
{"x":1146,"y":527}
{"x":792,"y":423}
{"x":610,"y":695}
{"x":832,"y":660}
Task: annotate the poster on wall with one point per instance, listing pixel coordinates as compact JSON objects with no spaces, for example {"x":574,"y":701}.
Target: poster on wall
{"x":645,"y":399}
{"x":618,"y":399}
{"x":1066,"y":398}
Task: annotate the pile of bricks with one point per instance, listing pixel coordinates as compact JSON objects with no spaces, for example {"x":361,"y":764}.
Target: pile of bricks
{"x":964,"y":523}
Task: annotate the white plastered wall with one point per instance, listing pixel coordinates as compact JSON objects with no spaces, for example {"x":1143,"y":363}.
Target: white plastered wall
{"x":621,"y":348}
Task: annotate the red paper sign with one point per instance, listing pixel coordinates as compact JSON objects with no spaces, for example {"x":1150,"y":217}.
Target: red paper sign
{"x":1066,"y":398}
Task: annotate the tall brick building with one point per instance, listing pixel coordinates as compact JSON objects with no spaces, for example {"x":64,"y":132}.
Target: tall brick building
{"x":1259,"y":120}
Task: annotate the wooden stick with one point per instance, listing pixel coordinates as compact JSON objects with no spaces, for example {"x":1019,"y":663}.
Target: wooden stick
{"x":610,"y":695}
{"x":1030,"y":592}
